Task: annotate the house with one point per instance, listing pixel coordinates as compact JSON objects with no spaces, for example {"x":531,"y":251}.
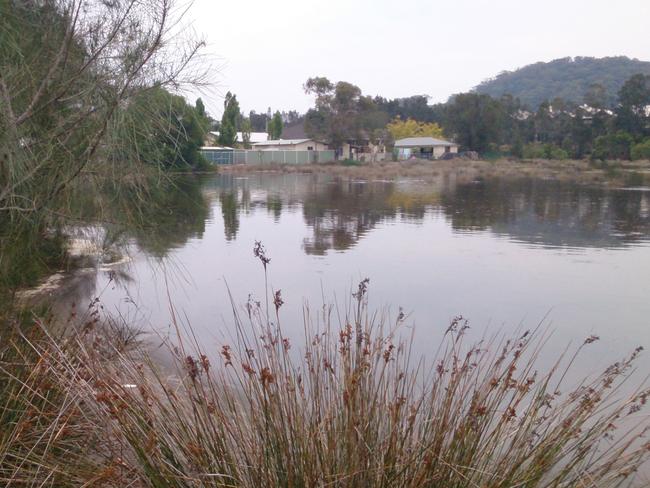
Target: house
{"x":423,"y":148}
{"x":290,"y":145}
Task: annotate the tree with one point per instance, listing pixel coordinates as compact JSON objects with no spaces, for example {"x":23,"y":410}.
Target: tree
{"x":596,"y":96}
{"x":634,"y":97}
{"x":414,"y":107}
{"x":475,"y":120}
{"x":258,"y":121}
{"x":200,"y":108}
{"x":399,"y":129}
{"x":613,"y":146}
{"x":641,"y":150}
{"x":338,"y":113}
{"x":322,"y":88}
{"x":174,"y":134}
{"x":275,"y":127}
{"x":246,"y":133}
{"x":228,"y":127}
{"x":69,"y":70}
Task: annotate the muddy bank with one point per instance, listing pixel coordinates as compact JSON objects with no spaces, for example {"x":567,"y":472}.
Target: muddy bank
{"x":612,"y":174}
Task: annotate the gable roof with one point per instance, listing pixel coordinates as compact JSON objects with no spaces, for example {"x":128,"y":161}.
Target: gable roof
{"x":282,"y":142}
{"x":422,"y":142}
{"x":295,"y":131}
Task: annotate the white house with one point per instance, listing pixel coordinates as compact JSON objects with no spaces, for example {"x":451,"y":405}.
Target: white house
{"x":424,"y":148}
{"x":290,"y":145}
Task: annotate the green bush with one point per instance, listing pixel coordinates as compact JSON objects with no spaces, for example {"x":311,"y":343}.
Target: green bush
{"x":613,"y":146}
{"x":555,"y":152}
{"x":544,"y":151}
{"x":641,"y":150}
{"x":534,"y":151}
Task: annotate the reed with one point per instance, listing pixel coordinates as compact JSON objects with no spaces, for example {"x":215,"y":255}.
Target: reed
{"x":350,"y":406}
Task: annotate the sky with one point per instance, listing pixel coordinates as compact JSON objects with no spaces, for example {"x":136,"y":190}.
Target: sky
{"x":264,"y":51}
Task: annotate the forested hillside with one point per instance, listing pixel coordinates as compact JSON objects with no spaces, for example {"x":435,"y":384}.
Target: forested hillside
{"x":567,"y":78}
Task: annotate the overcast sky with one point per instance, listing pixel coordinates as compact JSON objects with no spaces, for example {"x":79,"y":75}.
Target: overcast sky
{"x":266,"y":49}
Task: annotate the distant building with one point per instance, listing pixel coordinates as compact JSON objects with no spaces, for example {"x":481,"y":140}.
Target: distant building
{"x":423,"y":148}
{"x":290,"y":145}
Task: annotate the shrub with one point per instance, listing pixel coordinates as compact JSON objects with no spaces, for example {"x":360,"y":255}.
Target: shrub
{"x":612,"y":146}
{"x":349,"y":408}
{"x":641,"y":150}
{"x":544,"y":151}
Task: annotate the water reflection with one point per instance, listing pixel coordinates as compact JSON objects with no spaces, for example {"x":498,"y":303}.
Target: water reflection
{"x":339,"y":213}
{"x":498,"y":252}
{"x":551,"y":214}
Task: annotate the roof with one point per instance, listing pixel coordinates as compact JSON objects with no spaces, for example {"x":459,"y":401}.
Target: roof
{"x":282,"y":142}
{"x":255,"y":136}
{"x":422,"y":142}
{"x":295,"y":131}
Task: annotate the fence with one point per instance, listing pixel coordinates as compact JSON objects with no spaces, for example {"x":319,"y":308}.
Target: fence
{"x":256,"y":157}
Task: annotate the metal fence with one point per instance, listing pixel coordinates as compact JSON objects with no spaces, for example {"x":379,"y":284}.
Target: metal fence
{"x":256,"y":157}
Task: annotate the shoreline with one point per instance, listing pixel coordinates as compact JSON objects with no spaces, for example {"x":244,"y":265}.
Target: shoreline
{"x":608,"y":174}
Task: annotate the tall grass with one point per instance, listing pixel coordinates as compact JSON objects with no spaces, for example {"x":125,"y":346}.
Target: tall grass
{"x":44,"y":432}
{"x":348,"y":407}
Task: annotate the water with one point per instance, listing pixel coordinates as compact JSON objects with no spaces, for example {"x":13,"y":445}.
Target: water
{"x":502,"y":254}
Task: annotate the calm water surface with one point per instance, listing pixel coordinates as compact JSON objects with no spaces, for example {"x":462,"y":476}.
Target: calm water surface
{"x":502,"y":254}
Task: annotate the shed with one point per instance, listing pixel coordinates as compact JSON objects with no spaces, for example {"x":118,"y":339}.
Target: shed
{"x":424,"y":147}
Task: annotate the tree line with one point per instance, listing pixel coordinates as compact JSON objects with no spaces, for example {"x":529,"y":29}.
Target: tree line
{"x":503,"y":126}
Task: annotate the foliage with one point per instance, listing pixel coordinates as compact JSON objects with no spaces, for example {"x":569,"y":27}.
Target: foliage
{"x":544,"y":151}
{"x":613,"y":146}
{"x":631,"y":114}
{"x":641,"y":150}
{"x":399,"y":129}
{"x":568,"y":78}
{"x":275,"y":127}
{"x":68,"y":70}
{"x":342,"y":113}
{"x":229,"y":119}
{"x":246,"y":133}
{"x":475,"y":121}
{"x":258,"y":121}
{"x":29,"y":252}
{"x":414,"y":107}
{"x":174,"y":133}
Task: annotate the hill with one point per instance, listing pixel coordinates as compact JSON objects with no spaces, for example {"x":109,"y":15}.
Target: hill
{"x":567,"y":78}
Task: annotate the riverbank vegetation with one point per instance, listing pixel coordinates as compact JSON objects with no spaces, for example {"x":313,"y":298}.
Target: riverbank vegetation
{"x":87,"y":98}
{"x":350,"y":406}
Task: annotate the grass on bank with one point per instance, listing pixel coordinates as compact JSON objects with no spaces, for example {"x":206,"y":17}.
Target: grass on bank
{"x":349,"y":407}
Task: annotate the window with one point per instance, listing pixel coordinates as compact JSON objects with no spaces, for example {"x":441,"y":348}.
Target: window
{"x":310,"y":148}
{"x":447,"y":149}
